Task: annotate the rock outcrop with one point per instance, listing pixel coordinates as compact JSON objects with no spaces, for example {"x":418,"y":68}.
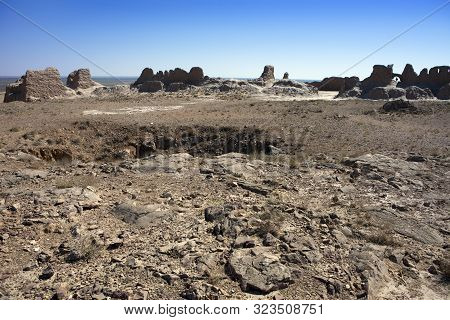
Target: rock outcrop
{"x":37,"y":85}
{"x":81,"y":79}
{"x":416,"y":93}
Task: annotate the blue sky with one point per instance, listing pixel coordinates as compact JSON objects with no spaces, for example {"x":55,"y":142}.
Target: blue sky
{"x":228,"y":38}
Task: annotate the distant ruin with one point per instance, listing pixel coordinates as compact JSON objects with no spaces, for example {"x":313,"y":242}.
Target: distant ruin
{"x":383,"y":83}
{"x":36,"y":85}
{"x":148,"y":81}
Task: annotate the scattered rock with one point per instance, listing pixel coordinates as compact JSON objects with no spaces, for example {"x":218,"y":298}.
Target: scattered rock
{"x":46,"y":274}
{"x":74,"y":256}
{"x":244,"y":242}
{"x":199,"y":290}
{"x":258,"y":270}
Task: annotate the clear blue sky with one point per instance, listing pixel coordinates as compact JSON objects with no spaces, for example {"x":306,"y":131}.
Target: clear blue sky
{"x":228,"y":38}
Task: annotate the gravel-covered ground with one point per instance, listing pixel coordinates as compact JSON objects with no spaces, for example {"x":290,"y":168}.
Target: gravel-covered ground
{"x":167,"y":196}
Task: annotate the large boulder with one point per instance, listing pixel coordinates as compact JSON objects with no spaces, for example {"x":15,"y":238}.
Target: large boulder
{"x":399,"y":105}
{"x":385,"y":93}
{"x":395,"y":93}
{"x":37,"y":85}
{"x":146,"y":75}
{"x":444,"y":92}
{"x":195,"y":76}
{"x":258,"y":270}
{"x":80,"y":79}
{"x":416,"y":93}
{"x":151,"y":86}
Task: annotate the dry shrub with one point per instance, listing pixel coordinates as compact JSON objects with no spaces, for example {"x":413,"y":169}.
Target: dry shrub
{"x":89,"y":247}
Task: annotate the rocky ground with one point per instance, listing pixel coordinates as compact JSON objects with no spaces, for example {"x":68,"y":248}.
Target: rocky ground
{"x":223,"y":196}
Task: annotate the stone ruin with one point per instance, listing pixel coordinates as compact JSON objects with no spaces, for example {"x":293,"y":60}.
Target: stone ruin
{"x":81,"y":79}
{"x":173,"y":80}
{"x":36,"y":85}
{"x":435,"y":79}
{"x":268,"y":73}
{"x":267,"y":77}
{"x":336,"y":83}
{"x":383,"y":83}
{"x":46,"y":84}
